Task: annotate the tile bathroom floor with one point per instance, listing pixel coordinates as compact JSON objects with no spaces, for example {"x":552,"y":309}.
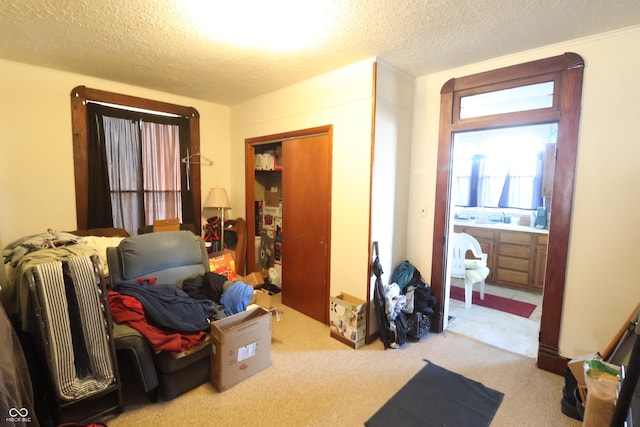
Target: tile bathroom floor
{"x":500,"y":329}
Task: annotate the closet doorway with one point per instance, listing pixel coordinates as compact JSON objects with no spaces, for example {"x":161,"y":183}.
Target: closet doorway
{"x":565,"y":74}
{"x":302,"y":177}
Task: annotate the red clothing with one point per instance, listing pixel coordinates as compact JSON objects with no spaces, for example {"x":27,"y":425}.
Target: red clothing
{"x":128,"y":310}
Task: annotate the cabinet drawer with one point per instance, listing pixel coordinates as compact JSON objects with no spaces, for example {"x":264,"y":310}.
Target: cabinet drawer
{"x":510,"y":276}
{"x":515,"y":238}
{"x":543,"y":239}
{"x":520,"y":264}
{"x":478,"y":233}
{"x":514,"y":250}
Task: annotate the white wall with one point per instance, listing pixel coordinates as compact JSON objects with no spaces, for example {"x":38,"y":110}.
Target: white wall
{"x":600,"y":291}
{"x":390,"y":174}
{"x":342,"y":98}
{"x":37,"y":188}
{"x":390,"y":171}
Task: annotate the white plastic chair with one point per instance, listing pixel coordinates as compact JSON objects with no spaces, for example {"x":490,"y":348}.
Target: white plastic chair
{"x":471,"y":270}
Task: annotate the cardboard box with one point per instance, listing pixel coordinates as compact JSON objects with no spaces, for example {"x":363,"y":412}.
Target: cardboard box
{"x":576,"y":366}
{"x":598,"y":412}
{"x":160,"y":225}
{"x":272,"y":198}
{"x":253,"y":279}
{"x":260,"y":161}
{"x":241,"y":347}
{"x":265,"y":161}
{"x":348,"y":319}
{"x":263,"y":298}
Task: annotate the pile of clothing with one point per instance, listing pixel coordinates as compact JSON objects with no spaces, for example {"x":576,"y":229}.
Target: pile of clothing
{"x":173,"y":318}
{"x":409,"y":304}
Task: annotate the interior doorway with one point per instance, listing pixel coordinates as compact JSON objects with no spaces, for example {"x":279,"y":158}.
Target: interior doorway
{"x":303,"y":247}
{"x":500,"y":178}
{"x":564,"y":73}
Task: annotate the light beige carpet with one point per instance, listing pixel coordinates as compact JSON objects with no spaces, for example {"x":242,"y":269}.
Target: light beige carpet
{"x":315,"y":380}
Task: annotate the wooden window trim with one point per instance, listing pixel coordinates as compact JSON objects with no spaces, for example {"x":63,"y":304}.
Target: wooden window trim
{"x":80,"y":95}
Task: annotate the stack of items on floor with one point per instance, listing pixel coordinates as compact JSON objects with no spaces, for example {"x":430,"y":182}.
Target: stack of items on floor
{"x":268,"y":210}
{"x":596,"y":384}
{"x":186,"y":298}
{"x":54,"y":297}
{"x":602,"y":388}
{"x":268,"y":243}
{"x":408,"y":304}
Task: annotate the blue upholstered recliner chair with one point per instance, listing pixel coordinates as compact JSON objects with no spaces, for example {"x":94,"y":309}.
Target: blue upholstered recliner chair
{"x":170,"y":257}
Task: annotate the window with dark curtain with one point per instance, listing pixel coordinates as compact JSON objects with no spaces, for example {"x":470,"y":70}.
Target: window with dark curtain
{"x":501,"y":168}
{"x":483,"y":181}
{"x":135,"y":173}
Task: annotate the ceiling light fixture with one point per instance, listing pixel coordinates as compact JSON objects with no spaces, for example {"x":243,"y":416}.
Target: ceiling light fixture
{"x":274,"y":26}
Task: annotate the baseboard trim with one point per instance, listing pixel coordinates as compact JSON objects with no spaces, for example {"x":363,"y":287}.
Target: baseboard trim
{"x":550,"y":360}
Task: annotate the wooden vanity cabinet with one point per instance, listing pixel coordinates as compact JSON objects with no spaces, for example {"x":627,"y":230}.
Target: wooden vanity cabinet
{"x":514,"y":259}
{"x":540,"y":262}
{"x":517,"y":259}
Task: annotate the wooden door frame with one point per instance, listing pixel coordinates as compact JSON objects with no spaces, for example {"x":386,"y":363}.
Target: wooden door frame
{"x":567,"y":72}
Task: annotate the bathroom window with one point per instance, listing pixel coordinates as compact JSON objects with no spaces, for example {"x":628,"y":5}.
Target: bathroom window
{"x":501,"y":168}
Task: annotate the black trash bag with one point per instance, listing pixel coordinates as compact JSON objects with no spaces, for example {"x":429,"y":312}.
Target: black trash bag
{"x":387,"y":334}
{"x":402,"y":329}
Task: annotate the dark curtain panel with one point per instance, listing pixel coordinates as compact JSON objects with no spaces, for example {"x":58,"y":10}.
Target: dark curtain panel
{"x":477,"y":163}
{"x":506,"y":190}
{"x":99,"y":199}
{"x":515,"y":191}
{"x":523,"y":192}
{"x":537,"y":182}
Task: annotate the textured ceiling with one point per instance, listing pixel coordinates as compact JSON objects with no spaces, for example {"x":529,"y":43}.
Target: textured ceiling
{"x":151,"y":43}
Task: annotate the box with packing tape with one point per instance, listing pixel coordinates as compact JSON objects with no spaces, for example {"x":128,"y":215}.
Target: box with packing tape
{"x":241,"y":347}
{"x":254,"y":279}
{"x":263,"y":298}
{"x":347,"y":316}
{"x":266,"y":298}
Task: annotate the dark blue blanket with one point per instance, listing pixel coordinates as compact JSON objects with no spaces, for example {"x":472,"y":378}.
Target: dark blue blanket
{"x":169,"y":307}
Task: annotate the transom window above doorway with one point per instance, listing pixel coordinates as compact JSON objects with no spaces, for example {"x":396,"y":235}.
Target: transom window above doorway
{"x":521,"y":98}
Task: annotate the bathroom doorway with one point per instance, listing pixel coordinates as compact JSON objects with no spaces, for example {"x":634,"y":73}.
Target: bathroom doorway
{"x":459,"y":97}
{"x":500,"y":177}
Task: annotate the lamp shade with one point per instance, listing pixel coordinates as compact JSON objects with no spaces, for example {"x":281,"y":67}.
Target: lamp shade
{"x":217,"y":198}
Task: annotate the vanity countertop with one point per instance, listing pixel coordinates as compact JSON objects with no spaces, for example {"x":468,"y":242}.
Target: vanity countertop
{"x":500,"y":226}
